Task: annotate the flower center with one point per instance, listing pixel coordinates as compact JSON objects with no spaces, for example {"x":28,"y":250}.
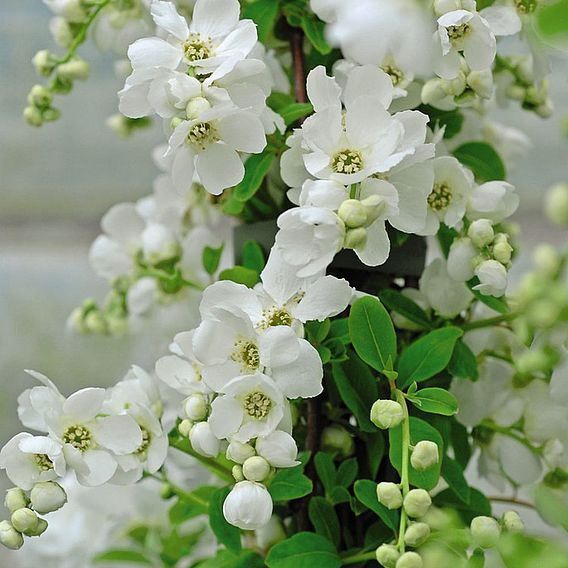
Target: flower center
{"x":146,"y":439}
{"x":246,"y":353}
{"x":455,"y":33}
{"x":197,"y":369}
{"x":276,"y":316}
{"x":347,"y":162}
{"x":257,"y":405}
{"x":201,"y":134}
{"x":396,"y":75}
{"x":43,"y":462}
{"x":440,"y":197}
{"x":526,"y":6}
{"x":79,"y":437}
{"x":196,"y":49}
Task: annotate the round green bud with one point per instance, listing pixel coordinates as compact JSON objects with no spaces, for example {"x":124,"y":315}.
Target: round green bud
{"x":166,"y":491}
{"x":456,"y":86}
{"x":481,"y":232}
{"x":32,"y":116}
{"x":9,"y":536}
{"x":386,"y":413}
{"x":352,"y":213}
{"x":196,"y":107}
{"x":237,"y":472}
{"x":389,"y":495}
{"x":556,"y":204}
{"x":433,"y":92}
{"x":39,"y":530}
{"x":175,"y":122}
{"x":387,"y":555}
{"x":184,"y":427}
{"x":40,"y":96}
{"x":195,"y":407}
{"x":502,"y":251}
{"x":512,"y":522}
{"x":516,"y":92}
{"x":336,"y":439}
{"x":239,"y":452}
{"x":75,"y":69}
{"x":15,"y":499}
{"x":44,"y":62}
{"x":546,"y":258}
{"x":95,"y":322}
{"x":355,"y":238}
{"x":47,"y":497}
{"x":24,"y":520}
{"x":424,"y":455}
{"x":374,"y":206}
{"x":51,"y":114}
{"x":409,"y":560}
{"x":256,"y":469}
{"x":416,"y":503}
{"x":485,"y":531}
{"x":481,"y":82}
{"x":544,"y":110}
{"x":416,"y":534}
{"x":119,"y":125}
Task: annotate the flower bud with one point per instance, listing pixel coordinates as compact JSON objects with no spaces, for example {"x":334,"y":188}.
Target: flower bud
{"x":61,"y":31}
{"x":15,"y":499}
{"x":485,"y":531}
{"x":77,"y":68}
{"x":416,"y":503}
{"x":256,"y":469}
{"x":47,"y":496}
{"x":9,"y":536}
{"x":24,"y":520}
{"x":433,"y":92}
{"x":389,"y":495}
{"x":516,"y":92}
{"x":424,"y":455}
{"x":352,"y":213}
{"x":203,"y":440}
{"x":386,"y":413}
{"x":32,"y":116}
{"x":196,"y":107}
{"x":95,"y":322}
{"x":195,"y":407}
{"x":502,"y":250}
{"x":237,"y":472}
{"x":456,"y":86}
{"x":546,"y":258}
{"x":40,"y":96}
{"x":374,"y":206}
{"x":184,"y":427}
{"x":481,"y":82}
{"x":336,"y":439}
{"x":544,"y":110}
{"x":355,"y":238}
{"x":166,"y":491}
{"x":556,"y":204}
{"x":40,"y":528}
{"x":460,"y":260}
{"x":51,"y":114}
{"x":239,"y":452}
{"x":279,"y":449}
{"x":409,"y":560}
{"x":492,"y":277}
{"x":512,"y":522}
{"x":44,"y":62}
{"x":248,"y":506}
{"x":175,"y":122}
{"x":524,"y":71}
{"x":416,"y":534}
{"x":481,"y":232}
{"x":387,"y":555}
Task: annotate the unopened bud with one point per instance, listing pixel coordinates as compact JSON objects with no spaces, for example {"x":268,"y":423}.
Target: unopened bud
{"x":203,"y":440}
{"x":512,"y":522}
{"x":95,"y":322}
{"x":40,"y":96}
{"x":196,"y":107}
{"x":44,"y":62}
{"x":416,"y":534}
{"x":416,"y":503}
{"x":47,"y":496}
{"x":546,"y":258}
{"x":524,"y":71}
{"x":387,"y":555}
{"x":556,"y":204}
{"x":24,"y":520}
{"x":184,"y":427}
{"x":481,"y":82}
{"x":389,"y":495}
{"x":424,"y":455}
{"x":175,"y":122}
{"x":195,"y":407}
{"x":433,"y":92}
{"x":39,"y":530}
{"x":386,"y":413}
{"x":15,"y":499}
{"x":502,"y":250}
{"x":410,"y":560}
{"x":239,"y":452}
{"x":166,"y":491}
{"x":75,"y":69}
{"x":516,"y":92}
{"x":544,"y":110}
{"x":456,"y":86}
{"x":61,"y":31}
{"x":481,"y":232}
{"x":336,"y":439}
{"x":256,"y":469}
{"x":32,"y":116}
{"x":237,"y":472}
{"x":352,"y":213}
{"x":485,"y":531}
{"x":51,"y":114}
{"x":355,"y":238}
{"x":374,"y":206}
{"x":9,"y":536}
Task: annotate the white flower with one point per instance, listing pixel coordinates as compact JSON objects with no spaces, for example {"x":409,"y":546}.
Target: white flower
{"x":248,"y":506}
{"x":494,"y":200}
{"x":28,"y":459}
{"x":460,"y":260}
{"x":492,"y":278}
{"x":278,"y":449}
{"x":251,"y":406}
{"x":204,"y":441}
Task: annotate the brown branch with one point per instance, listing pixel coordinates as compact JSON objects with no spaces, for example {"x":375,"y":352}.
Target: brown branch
{"x":297,"y":48}
{"x":512,"y":501}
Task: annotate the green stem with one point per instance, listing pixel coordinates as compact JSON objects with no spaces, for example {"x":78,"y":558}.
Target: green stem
{"x":508,"y":432}
{"x":361,"y":557}
{"x":220,"y":470}
{"x":490,"y":322}
{"x":181,"y":493}
{"x":404,"y":472}
{"x":353,"y":191}
{"x":166,"y":276}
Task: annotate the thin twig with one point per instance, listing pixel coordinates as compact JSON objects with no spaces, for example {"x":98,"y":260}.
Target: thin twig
{"x":513,"y":501}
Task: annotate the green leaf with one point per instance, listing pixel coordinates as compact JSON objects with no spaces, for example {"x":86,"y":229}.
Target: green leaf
{"x":295,"y":111}
{"x":478,"y":504}
{"x":366,"y":492}
{"x":427,"y":356}
{"x":482,"y":160}
{"x":436,"y":401}
{"x":375,"y":443}
{"x":130,"y":556}
{"x":552,"y":505}
{"x":372,"y":332}
{"x":419,"y":430}
{"x":325,"y":521}
{"x":227,"y":559}
{"x":453,"y":474}
{"x":314,"y":30}
{"x":340,"y":329}
{"x":340,"y":495}
{"x":256,"y":167}
{"x":210,"y":258}
{"x":497,"y":304}
{"x":403,"y":305}
{"x":446,"y":237}
{"x":303,"y":550}
{"x":552,"y":19}
{"x":463,"y":363}
{"x":317,"y":330}
{"x":460,"y":443}
{"x":253,"y":256}
{"x":184,"y":510}
{"x":263,"y":13}
{"x":240,"y":275}
{"x":325,"y":468}
{"x":347,"y":472}
{"x":452,"y":120}
{"x":358,"y":390}
{"x":290,"y":483}
{"x":226,"y":534}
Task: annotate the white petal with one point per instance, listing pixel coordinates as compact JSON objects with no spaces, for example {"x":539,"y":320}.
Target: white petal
{"x":503,"y":20}
{"x":84,"y":404}
{"x":326,"y":297}
{"x":518,"y":462}
{"x":108,"y":258}
{"x":215,"y":17}
{"x":368,"y":80}
{"x":365,"y":121}
{"x":227,"y":294}
{"x":178,"y":374}
{"x":278,"y":346}
{"x":323,"y":91}
{"x":154,"y":52}
{"x":166,"y":17}
{"x":218,"y":168}
{"x":101,"y":468}
{"x":120,"y":434}
{"x":377,"y":248}
{"x":243,"y":131}
{"x":183,"y":169}
{"x":226,"y":416}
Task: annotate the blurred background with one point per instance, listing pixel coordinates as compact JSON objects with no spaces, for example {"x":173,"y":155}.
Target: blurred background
{"x":57,"y":181}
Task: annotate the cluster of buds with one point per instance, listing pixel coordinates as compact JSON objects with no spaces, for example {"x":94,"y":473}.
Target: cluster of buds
{"x":357,"y":215}
{"x":486,"y":531}
{"x":110,"y":319}
{"x":44,"y":497}
{"x":196,"y":409}
{"x":124,"y":127}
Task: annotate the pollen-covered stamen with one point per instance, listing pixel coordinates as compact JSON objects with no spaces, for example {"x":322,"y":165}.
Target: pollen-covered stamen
{"x":526,"y":6}
{"x":394,"y":72}
{"x":347,"y":162}
{"x":195,"y":48}
{"x":79,"y":437}
{"x":441,"y":196}
{"x":201,"y":135}
{"x":276,"y":316}
{"x":257,"y":405}
{"x":146,"y":439}
{"x":43,"y":462}
{"x":456,"y":33}
{"x":246,"y":353}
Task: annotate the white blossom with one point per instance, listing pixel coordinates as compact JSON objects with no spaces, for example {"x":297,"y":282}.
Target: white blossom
{"x":248,"y":505}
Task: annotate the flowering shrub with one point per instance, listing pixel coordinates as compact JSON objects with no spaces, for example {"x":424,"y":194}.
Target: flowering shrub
{"x":325,"y":409}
